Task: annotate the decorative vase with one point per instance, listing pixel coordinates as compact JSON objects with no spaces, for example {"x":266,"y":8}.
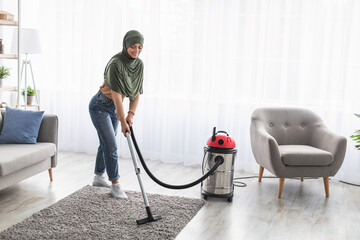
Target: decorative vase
{"x":0,"y":82}
{"x":30,"y":100}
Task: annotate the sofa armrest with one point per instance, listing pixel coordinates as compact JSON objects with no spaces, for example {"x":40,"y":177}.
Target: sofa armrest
{"x":48,"y":132}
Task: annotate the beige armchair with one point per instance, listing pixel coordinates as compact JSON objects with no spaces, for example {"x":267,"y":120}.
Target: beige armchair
{"x":294,"y":142}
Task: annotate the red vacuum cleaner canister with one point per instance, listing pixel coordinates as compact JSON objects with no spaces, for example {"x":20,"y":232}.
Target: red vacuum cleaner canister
{"x":221,"y":182}
{"x":220,"y":141}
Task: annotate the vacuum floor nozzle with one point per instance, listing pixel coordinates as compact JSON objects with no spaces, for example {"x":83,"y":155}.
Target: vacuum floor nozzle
{"x":150,"y":218}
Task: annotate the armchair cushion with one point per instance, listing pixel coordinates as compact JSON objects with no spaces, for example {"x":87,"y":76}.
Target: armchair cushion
{"x":304,"y":155}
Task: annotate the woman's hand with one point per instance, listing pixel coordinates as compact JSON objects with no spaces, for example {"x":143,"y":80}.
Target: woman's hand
{"x":125,"y":128}
{"x":130,"y":120}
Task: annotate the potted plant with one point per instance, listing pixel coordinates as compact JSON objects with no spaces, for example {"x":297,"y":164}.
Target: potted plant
{"x":356,"y":136}
{"x":4,"y":73}
{"x":30,"y":92}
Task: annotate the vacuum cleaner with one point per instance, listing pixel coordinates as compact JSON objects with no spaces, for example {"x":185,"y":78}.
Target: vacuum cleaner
{"x":220,"y":151}
{"x":221,"y":183}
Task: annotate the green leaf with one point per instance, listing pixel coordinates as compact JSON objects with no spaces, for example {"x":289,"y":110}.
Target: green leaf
{"x":29,"y":91}
{"x":4,"y":72}
{"x":356,"y":137}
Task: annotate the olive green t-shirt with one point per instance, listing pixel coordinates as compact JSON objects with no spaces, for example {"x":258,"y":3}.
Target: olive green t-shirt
{"x":124,"y":75}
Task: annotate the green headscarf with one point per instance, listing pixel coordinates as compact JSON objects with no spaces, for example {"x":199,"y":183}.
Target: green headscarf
{"x":124,"y":74}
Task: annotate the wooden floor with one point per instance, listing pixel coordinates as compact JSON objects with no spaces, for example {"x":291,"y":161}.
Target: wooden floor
{"x":303,"y":212}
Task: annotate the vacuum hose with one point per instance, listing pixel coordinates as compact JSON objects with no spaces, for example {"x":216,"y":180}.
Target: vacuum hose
{"x":218,"y":162}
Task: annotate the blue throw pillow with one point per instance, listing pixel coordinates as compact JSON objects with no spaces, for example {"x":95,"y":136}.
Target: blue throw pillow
{"x":20,"y":126}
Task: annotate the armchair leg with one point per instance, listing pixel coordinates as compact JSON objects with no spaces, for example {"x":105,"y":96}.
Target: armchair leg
{"x":326,"y":185}
{"x":302,"y":179}
{"x":281,"y":186}
{"x":50,"y":174}
{"x":261,"y":171}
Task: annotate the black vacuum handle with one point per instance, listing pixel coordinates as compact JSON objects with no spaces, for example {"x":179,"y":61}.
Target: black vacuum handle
{"x":222,"y":132}
{"x":213,"y":138}
{"x":213,"y":135}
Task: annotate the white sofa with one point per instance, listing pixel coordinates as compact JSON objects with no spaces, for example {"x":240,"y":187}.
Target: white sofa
{"x":21,"y":161}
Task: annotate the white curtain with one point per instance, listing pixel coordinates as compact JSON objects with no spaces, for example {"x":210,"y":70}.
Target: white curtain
{"x":207,"y":63}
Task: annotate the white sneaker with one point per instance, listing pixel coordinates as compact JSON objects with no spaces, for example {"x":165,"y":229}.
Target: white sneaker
{"x":100,"y":181}
{"x":116,"y":191}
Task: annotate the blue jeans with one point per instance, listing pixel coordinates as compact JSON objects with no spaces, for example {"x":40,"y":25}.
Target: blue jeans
{"x":103,"y":115}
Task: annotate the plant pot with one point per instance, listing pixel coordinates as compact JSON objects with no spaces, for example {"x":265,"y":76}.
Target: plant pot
{"x":0,"y":82}
{"x":30,"y":100}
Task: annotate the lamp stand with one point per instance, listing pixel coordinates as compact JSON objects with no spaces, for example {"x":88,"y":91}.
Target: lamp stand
{"x":25,"y":64}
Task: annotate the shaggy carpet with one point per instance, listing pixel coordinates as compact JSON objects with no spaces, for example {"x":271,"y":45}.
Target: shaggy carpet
{"x":91,"y":213}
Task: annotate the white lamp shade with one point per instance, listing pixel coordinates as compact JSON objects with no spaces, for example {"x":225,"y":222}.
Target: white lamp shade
{"x":29,"y":42}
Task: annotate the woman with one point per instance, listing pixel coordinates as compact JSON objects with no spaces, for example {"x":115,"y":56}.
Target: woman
{"x":123,"y":77}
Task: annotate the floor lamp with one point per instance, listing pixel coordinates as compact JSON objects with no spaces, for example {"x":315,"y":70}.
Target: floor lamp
{"x":29,"y":44}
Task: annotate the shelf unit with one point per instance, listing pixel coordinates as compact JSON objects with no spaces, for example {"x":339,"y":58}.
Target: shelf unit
{"x":8,"y":89}
{"x":13,"y":56}
{"x":8,"y":56}
{"x":8,"y":23}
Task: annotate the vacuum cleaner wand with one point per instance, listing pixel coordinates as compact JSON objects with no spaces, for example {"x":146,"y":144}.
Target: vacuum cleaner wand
{"x":150,"y":217}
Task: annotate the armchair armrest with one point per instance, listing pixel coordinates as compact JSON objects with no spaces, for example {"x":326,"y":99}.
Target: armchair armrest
{"x":265,"y":149}
{"x":329,"y":141}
